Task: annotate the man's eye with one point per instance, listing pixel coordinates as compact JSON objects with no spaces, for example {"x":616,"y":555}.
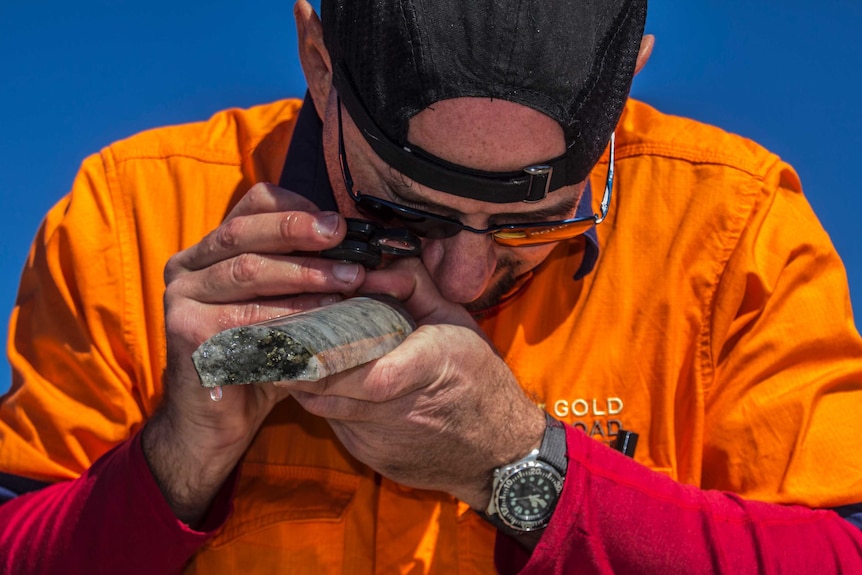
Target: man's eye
{"x":411,"y":205}
{"x":436,"y":211}
{"x":502,"y":220}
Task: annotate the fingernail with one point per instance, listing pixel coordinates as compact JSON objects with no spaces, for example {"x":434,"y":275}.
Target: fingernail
{"x":326,"y":225}
{"x":345,"y":272}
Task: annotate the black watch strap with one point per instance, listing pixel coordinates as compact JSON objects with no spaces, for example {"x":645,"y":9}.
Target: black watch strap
{"x":553,"y":449}
{"x":551,"y":453}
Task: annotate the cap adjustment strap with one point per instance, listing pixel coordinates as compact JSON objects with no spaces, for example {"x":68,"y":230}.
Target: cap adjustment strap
{"x":530,"y":184}
{"x":540,"y":182}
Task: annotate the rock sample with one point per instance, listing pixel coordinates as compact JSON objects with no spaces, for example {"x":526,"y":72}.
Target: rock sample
{"x":305,"y":346}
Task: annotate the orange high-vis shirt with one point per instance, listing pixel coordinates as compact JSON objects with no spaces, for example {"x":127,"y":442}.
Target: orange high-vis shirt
{"x":716,"y":325}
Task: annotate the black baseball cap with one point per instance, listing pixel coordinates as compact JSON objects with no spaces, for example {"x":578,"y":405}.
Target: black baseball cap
{"x":573,"y":61}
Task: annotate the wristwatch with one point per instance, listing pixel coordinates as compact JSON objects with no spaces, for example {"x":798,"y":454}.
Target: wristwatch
{"x":525,"y":493}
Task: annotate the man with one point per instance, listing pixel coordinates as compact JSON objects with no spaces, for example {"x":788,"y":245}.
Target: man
{"x":707,"y":312}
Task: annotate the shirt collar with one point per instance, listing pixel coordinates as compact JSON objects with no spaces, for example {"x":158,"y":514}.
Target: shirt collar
{"x":304,"y":172}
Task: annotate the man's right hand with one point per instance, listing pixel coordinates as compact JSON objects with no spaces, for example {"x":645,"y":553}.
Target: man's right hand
{"x":254,"y":266}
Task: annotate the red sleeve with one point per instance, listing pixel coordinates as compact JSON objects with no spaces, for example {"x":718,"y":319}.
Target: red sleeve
{"x":619,"y":517}
{"x":112,"y":519}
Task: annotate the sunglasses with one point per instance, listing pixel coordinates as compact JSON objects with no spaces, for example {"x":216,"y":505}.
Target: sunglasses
{"x":433,"y":226}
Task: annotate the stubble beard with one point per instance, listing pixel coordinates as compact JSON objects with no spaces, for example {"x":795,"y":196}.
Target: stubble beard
{"x":506,"y":277}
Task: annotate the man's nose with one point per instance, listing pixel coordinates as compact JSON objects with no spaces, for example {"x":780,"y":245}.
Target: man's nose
{"x":461,"y":266}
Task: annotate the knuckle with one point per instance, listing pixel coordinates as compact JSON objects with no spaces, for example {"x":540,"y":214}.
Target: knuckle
{"x":173,"y":269}
{"x":177,"y":294}
{"x":245,"y":268}
{"x":387,"y":381}
{"x":172,"y":291}
{"x":308,"y":272}
{"x":261,"y":197}
{"x":227,"y":235}
{"x":305,"y":274}
{"x":291,"y":225}
{"x":257,"y":193}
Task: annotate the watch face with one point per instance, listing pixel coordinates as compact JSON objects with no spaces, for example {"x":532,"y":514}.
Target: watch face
{"x":526,"y":498}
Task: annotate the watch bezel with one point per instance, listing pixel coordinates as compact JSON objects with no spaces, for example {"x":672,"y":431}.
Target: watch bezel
{"x":530,"y":468}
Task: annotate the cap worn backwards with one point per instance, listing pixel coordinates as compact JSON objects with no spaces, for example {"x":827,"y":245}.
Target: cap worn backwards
{"x":573,"y":61}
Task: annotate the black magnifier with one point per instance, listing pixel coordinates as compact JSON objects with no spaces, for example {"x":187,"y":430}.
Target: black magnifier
{"x":366,"y":242}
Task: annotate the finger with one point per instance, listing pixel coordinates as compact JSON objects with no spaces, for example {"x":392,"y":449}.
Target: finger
{"x":199,"y":322}
{"x":419,"y":362}
{"x":250,"y":276}
{"x":270,"y":233}
{"x":265,"y":197}
{"x":228,"y":316}
{"x":409,"y":281}
{"x":234,"y":393}
{"x":334,"y":407}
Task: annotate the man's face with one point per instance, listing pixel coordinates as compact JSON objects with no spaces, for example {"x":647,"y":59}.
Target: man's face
{"x":480,"y":133}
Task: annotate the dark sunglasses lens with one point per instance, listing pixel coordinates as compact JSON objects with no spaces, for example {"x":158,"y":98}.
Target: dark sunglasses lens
{"x":374,"y":209}
{"x":438,"y":229}
{"x":534,"y":236}
{"x":421,"y":224}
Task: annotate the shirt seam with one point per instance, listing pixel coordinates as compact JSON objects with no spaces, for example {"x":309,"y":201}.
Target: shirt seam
{"x":156,"y":145}
{"x":745,"y":208}
{"x":143,"y":155}
{"x":113,"y":157}
{"x":756,"y":167}
{"x":120,"y":216}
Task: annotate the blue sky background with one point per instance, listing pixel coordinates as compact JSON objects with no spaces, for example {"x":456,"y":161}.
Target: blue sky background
{"x":75,"y":76}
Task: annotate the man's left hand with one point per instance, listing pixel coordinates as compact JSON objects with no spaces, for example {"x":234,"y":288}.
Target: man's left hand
{"x":442,"y":410}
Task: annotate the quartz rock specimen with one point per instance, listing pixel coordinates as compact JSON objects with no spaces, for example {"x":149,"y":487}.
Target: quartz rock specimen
{"x":305,"y":346}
